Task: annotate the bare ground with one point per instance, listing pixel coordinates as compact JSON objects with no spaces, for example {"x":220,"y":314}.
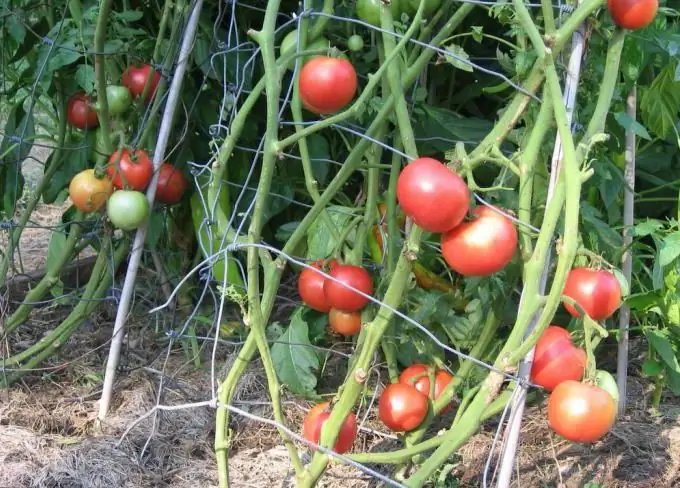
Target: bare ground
{"x":49,"y":438}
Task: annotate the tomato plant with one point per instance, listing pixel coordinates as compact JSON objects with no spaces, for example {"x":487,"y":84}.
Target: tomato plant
{"x":344,"y":323}
{"x":339,"y":295}
{"x":402,"y":407}
{"x":418,"y":375}
{"x":434,"y":196}
{"x":127,"y":209}
{"x":596,"y":291}
{"x":310,"y":285}
{"x":315,"y":420}
{"x":171,"y":184}
{"x":80,"y":112}
{"x":481,"y":246}
{"x":580,"y":412}
{"x":135,"y":79}
{"x":88,"y":193}
{"x":556,"y":359}
{"x":131,"y":169}
{"x":632,"y":14}
{"x":327,"y":84}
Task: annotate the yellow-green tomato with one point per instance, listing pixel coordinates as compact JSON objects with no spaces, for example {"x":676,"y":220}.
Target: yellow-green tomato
{"x":289,"y":43}
{"x":127,"y":209}
{"x":369,"y":10}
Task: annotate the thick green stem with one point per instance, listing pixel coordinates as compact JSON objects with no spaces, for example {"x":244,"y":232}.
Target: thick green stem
{"x":265,"y":38}
{"x":548,"y":16}
{"x":99,"y":283}
{"x":527,"y":173}
{"x":100,"y":72}
{"x":49,"y":280}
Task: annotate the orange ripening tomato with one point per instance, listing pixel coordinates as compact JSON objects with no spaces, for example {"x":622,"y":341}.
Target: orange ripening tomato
{"x":344,"y":323}
{"x":580,"y":412}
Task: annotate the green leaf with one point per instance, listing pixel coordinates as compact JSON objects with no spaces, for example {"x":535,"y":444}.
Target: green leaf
{"x":673,"y":381}
{"x":660,"y":103}
{"x":661,"y":343}
{"x":628,"y":123}
{"x":320,"y":242}
{"x":477,"y":32}
{"x":648,"y":227}
{"x":320,"y":154}
{"x":670,"y":249}
{"x":642,"y":301}
{"x":317,"y":323}
{"x":651,"y":367}
{"x":458,"y":57}
{"x":156,"y":228}
{"x":294,"y":360}
{"x":15,"y":27}
{"x":16,"y":145}
{"x":85,"y":77}
{"x":55,"y":250}
{"x":623,"y":282}
{"x":129,"y":15}
{"x":438,"y":128}
{"x":284,"y":232}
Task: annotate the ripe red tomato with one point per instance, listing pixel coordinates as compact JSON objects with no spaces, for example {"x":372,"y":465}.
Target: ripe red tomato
{"x":580,"y":412}
{"x":317,"y":416}
{"x":402,"y":408}
{"x":556,"y":359}
{"x":339,"y":296}
{"x":632,"y":14}
{"x":310,"y":285}
{"x":133,"y":169}
{"x":88,"y":192}
{"x":327,"y":84}
{"x":434,"y":196}
{"x":598,"y":292}
{"x":481,"y":246}
{"x":134,"y":78}
{"x":422,"y":382}
{"x":171,"y":184}
{"x":344,"y":323}
{"x":80,"y":112}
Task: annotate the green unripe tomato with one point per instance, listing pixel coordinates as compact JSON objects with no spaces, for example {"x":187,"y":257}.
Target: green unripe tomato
{"x":127,"y":209}
{"x":430,"y":7}
{"x":289,"y":43}
{"x":355,"y":43}
{"x":606,"y":381}
{"x":119,"y":98}
{"x":369,"y":10}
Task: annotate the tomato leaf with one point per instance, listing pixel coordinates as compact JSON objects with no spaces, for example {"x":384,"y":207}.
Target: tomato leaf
{"x":85,"y":77}
{"x":660,"y":103}
{"x":642,"y":301}
{"x":661,"y":342}
{"x":16,"y":145}
{"x":623,"y":282}
{"x":648,"y":227}
{"x":458,"y":58}
{"x":628,"y":123}
{"x":670,"y":249}
{"x":651,"y":367}
{"x":294,"y":360}
{"x":320,"y":241}
{"x":156,"y":228}
{"x":55,"y":250}
{"x":320,"y":154}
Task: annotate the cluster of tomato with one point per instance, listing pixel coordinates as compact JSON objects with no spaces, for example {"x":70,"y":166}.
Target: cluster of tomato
{"x":332,"y":296}
{"x":128,"y":171}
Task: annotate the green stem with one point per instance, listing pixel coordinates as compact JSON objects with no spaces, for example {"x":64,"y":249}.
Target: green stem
{"x":100,"y":72}
{"x":548,"y":16}
{"x":527,"y":174}
{"x":49,"y":280}
{"x":390,"y":352}
{"x":392,"y":222}
{"x":265,"y":38}
{"x":321,"y":21}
